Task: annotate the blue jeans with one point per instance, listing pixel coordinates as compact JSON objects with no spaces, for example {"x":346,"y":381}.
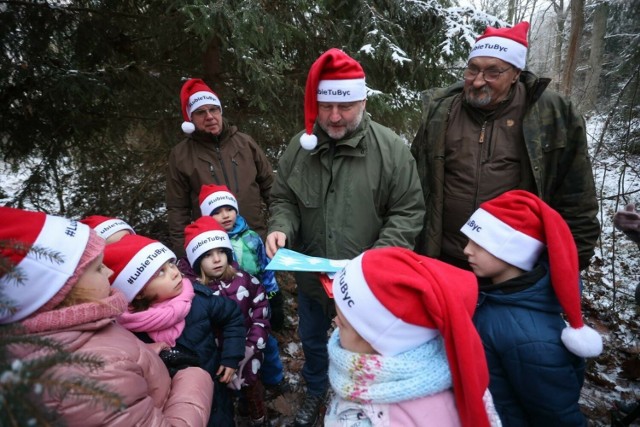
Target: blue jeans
{"x":271,"y":371}
{"x":313,"y":325}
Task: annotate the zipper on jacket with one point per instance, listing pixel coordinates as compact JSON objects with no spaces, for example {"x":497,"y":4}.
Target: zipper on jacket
{"x":213,"y":173}
{"x":224,"y":171}
{"x":482,"y":132}
{"x":235,"y":175}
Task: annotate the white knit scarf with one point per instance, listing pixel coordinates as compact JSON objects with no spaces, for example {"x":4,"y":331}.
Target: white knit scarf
{"x":372,"y":378}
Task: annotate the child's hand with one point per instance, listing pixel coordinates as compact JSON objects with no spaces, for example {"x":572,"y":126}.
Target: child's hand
{"x":225,"y":374}
{"x":157,"y":347}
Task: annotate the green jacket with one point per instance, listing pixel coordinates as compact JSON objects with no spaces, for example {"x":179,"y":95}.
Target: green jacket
{"x":556,"y":142}
{"x":347,"y":196}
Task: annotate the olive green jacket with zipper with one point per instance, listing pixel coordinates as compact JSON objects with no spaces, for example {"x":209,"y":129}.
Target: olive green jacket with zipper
{"x":556,"y":144}
{"x":346,"y":196}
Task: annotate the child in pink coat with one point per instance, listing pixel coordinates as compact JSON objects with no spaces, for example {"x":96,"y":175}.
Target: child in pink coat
{"x":405,"y":352}
{"x":68,"y":299}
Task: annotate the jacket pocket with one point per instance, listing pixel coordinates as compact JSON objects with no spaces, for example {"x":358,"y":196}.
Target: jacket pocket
{"x":306,"y":187}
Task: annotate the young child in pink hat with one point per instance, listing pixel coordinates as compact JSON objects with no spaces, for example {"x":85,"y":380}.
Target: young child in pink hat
{"x":405,"y":352}
{"x":166,"y":309}
{"x":535,"y":359}
{"x":67,"y":299}
{"x":210,"y":255}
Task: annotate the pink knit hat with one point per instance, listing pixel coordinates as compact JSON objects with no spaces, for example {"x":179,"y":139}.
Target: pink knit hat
{"x":105,"y":226}
{"x":195,"y":93}
{"x":47,"y":279}
{"x":333,"y":77}
{"x":397,"y":300}
{"x":214,"y":196}
{"x":134,"y":260}
{"x":517,"y":227}
{"x":508,"y":44}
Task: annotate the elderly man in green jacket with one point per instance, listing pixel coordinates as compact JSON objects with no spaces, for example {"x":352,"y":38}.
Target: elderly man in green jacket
{"x":342,"y":186}
{"x":500,"y":130}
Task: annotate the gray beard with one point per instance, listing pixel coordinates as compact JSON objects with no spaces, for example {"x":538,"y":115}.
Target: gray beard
{"x":479,"y":102}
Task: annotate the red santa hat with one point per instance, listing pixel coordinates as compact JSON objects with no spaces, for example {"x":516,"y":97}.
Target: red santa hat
{"x":105,"y":226}
{"x":45,"y":278}
{"x":517,"y":227}
{"x":214,"y":196}
{"x":202,"y":235}
{"x":195,"y":93}
{"x":135,"y":260}
{"x":333,"y":77}
{"x":508,"y":44}
{"x":397,"y":300}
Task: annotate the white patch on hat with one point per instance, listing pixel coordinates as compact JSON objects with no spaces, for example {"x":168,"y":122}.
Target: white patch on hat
{"x":348,"y":90}
{"x":112,"y":226}
{"x":141,"y":268}
{"x":386,"y":332}
{"x":508,"y":50}
{"x":217,"y":199}
{"x":201,"y":98}
{"x":43,"y":276}
{"x":206,"y":241}
{"x":503,"y":241}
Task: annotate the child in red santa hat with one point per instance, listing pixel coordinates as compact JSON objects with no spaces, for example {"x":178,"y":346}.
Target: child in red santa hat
{"x":64,"y":296}
{"x":209,"y":252}
{"x":167,"y":309}
{"x":405,"y":352}
{"x":536,"y":360}
{"x":110,"y":229}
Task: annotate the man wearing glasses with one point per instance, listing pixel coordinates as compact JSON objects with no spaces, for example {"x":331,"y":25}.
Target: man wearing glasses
{"x":214,"y":152}
{"x":501,"y":129}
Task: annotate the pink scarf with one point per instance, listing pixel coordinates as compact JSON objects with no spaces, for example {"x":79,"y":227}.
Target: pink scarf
{"x":164,"y":321}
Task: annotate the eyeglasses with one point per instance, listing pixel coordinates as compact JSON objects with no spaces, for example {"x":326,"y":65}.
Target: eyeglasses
{"x":490,"y":75}
{"x":206,"y":111}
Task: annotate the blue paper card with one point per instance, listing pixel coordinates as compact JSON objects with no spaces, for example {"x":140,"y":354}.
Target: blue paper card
{"x":288,"y":260}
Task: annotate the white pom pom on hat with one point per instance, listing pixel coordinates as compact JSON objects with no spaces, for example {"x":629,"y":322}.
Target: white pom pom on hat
{"x":188,"y":127}
{"x":195,"y":93}
{"x":516,"y":227}
{"x":333,"y":77}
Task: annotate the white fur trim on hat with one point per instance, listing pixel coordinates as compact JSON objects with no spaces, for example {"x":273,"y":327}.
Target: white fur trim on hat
{"x":215,"y":200}
{"x":583,"y":342}
{"x":503,"y":241}
{"x":44,"y":275}
{"x":141,"y":268}
{"x":201,"y":98}
{"x":206,"y":241}
{"x":348,"y":90}
{"x":502,"y":48}
{"x":387,"y":334}
{"x":111,"y":227}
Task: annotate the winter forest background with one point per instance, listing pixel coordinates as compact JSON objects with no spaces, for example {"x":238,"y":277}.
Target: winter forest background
{"x":89,"y":105}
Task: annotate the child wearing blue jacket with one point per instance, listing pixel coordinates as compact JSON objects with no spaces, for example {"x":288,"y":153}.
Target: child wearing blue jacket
{"x":536,"y":361}
{"x":249,"y":252}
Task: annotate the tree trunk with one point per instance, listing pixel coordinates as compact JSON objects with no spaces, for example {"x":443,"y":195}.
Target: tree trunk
{"x":595,"y":56}
{"x":577,"y":24}
{"x":561,"y":17}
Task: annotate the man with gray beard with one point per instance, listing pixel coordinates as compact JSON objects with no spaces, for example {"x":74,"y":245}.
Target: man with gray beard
{"x":498,"y":130}
{"x":344,"y":185}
